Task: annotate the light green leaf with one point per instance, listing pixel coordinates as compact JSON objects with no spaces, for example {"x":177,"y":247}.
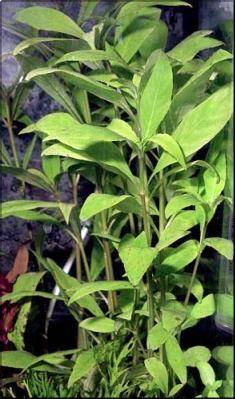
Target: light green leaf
{"x":159,"y":373}
{"x":81,"y":81}
{"x":123,"y":129}
{"x":223,"y":354}
{"x":156,"y":96}
{"x":11,"y":207}
{"x":177,"y":228}
{"x":213,"y":187}
{"x":87,"y":55}
{"x":97,"y":203}
{"x":34,"y":41}
{"x":66,"y":210}
{"x":157,"y":336}
{"x":51,"y":166}
{"x":204,"y":308}
{"x":178,"y":203}
{"x":89,"y":288}
{"x":16,"y":359}
{"x":175,"y":358}
{"x":44,"y":18}
{"x":37,"y":216}
{"x":202,"y":124}
{"x":221,"y":245}
{"x":206,"y":372}
{"x":196,"y":354}
{"x":98,"y":324}
{"x":136,"y":256}
{"x":156,"y":40}
{"x":84,"y":364}
{"x":175,"y":259}
{"x":192,"y":45}
{"x":175,"y":390}
{"x":170,"y":145}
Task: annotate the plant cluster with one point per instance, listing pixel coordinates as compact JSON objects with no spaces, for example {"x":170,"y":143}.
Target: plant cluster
{"x":149,"y":129}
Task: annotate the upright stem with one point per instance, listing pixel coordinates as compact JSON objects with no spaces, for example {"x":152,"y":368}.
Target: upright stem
{"x":77,"y":247}
{"x":9,"y":126}
{"x":162,"y":223}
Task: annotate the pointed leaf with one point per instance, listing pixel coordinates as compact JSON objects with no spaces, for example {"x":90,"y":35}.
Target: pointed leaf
{"x":178,"y":203}
{"x":175,"y":358}
{"x":98,"y":324}
{"x":85,"y":362}
{"x":159,"y":373}
{"x":97,"y":203}
{"x":204,"y":308}
{"x":170,"y":145}
{"x":196,"y":354}
{"x":221,"y":245}
{"x":157,"y":336}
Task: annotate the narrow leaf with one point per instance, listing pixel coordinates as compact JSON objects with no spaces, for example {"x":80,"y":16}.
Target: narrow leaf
{"x":175,"y":358}
{"x":159,"y":373}
{"x":98,"y":324}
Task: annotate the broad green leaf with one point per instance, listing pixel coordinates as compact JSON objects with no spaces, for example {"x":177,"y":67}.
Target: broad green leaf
{"x":192,"y":45}
{"x":97,"y":203}
{"x":204,"y":308}
{"x":87,"y":55}
{"x":11,"y":207}
{"x":175,"y":259}
{"x":183,"y":100}
{"x":16,"y":359}
{"x":123,"y":129}
{"x":177,"y":228}
{"x":51,"y":166}
{"x":136,"y":256}
{"x":44,"y":18}
{"x":85,"y":362}
{"x":89,"y":288}
{"x":35,"y":216}
{"x":105,"y":154}
{"x":98,"y":324}
{"x":178,"y":203}
{"x":159,"y":373}
{"x":81,"y":81}
{"x":133,"y":37}
{"x":66,"y":210}
{"x":156,"y":40}
{"x":202,"y":124}
{"x":157,"y":336}
{"x":206,"y":372}
{"x":221,"y":245}
{"x":196,"y":354}
{"x":34,"y":41}
{"x":27,"y":177}
{"x":175,"y":358}
{"x":175,"y":390}
{"x":223,"y":354}
{"x":68,"y":283}
{"x":156,"y":96}
{"x":170,"y":145}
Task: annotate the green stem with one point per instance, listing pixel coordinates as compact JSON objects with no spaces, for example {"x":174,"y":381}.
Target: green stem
{"x":162,"y":223}
{"x":12,"y":141}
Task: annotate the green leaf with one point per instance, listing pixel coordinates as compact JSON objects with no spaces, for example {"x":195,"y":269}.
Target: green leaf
{"x":11,"y":207}
{"x":177,"y":228}
{"x":192,"y":45}
{"x":81,"y":81}
{"x":66,"y":210}
{"x":196,"y":354}
{"x":34,"y":41}
{"x":97,"y":203}
{"x":170,"y":145}
{"x":105,"y":154}
{"x":17,"y":296}
{"x":89,"y":288}
{"x":44,"y":18}
{"x":223,"y":354}
{"x":204,"y":308}
{"x":156,"y":40}
{"x":213,"y":187}
{"x":123,"y":129}
{"x":84,"y":364}
{"x":97,"y":260}
{"x":70,"y":284}
{"x":133,"y":37}
{"x":157,"y":336}
{"x":175,"y":358}
{"x":27,"y":177}
{"x":51,"y":166}
{"x":202,"y":124}
{"x":87,"y":56}
{"x":178,"y":203}
{"x":206,"y":372}
{"x":156,"y":96}
{"x":221,"y":245}
{"x":98,"y":324}
{"x":16,"y":359}
{"x":175,"y":259}
{"x":136,"y":256}
{"x":35,"y":216}
{"x":175,"y":390}
{"x":159,"y":373}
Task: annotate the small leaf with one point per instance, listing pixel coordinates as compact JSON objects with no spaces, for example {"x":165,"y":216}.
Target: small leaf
{"x":136,"y":256}
{"x":206,"y":372}
{"x":204,"y":308}
{"x":178,"y":203}
{"x":156,"y":95}
{"x":97,"y":203}
{"x":221,"y":245}
{"x":11,"y":207}
{"x":175,"y":358}
{"x":44,"y":18}
{"x":98,"y":324}
{"x":224,"y":354}
{"x":159,"y":373}
{"x":86,"y":55}
{"x":196,"y":354}
{"x":85,"y":362}
{"x":170,"y":145}
{"x":157,"y":336}
{"x":33,"y":41}
{"x":175,"y":390}
{"x":66,"y":210}
{"x":123,"y":129}
{"x":89,"y":288}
